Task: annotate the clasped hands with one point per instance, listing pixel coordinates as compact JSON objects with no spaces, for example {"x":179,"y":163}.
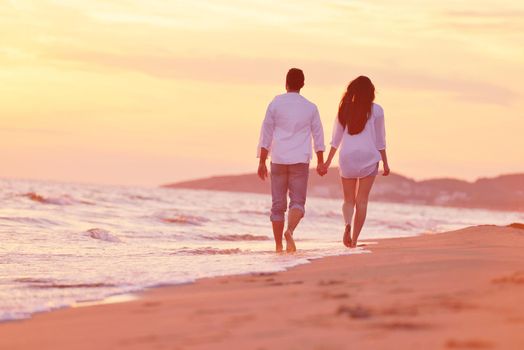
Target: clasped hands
{"x":322,"y":168}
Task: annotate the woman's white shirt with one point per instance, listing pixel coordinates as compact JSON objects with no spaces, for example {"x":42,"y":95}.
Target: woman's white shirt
{"x":359,"y":154}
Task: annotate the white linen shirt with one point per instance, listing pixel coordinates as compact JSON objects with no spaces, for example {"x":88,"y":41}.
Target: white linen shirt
{"x":291,"y":122}
{"x":359,"y":154}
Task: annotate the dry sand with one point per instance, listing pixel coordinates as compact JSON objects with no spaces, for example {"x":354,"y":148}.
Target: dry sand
{"x":455,"y":290}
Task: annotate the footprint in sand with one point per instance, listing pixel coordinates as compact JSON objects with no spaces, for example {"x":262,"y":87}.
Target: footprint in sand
{"x":517,"y":225}
{"x":468,"y":344}
{"x":285,"y":283}
{"x":400,"y":290}
{"x":335,"y":295}
{"x":266,"y":274}
{"x":402,"y":325}
{"x":151,"y":304}
{"x":515,"y":278}
{"x":451,"y":303}
{"x":147,"y":307}
{"x":330,"y":282}
{"x":408,"y":310}
{"x":356,"y":312}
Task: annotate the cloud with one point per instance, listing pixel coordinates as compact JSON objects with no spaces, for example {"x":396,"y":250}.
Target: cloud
{"x":508,"y":21}
{"x":498,"y":14}
{"x":30,"y":131}
{"x":462,"y":88}
{"x":269,"y":71}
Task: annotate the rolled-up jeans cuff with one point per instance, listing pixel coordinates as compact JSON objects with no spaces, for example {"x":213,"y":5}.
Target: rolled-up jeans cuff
{"x":277,"y":217}
{"x":299,"y":207}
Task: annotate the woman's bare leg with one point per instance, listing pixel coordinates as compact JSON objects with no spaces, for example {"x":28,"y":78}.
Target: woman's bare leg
{"x":361,"y":204}
{"x":349,"y":186}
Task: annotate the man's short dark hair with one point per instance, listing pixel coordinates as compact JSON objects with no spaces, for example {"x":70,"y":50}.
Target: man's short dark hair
{"x":295,"y":79}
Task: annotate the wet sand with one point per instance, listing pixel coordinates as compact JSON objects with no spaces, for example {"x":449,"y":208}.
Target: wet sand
{"x":456,"y":290}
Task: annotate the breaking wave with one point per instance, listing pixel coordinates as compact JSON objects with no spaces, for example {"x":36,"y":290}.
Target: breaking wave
{"x":207,"y":251}
{"x":26,"y":220}
{"x":71,"y":286}
{"x":183,"y":219}
{"x":246,"y":237}
{"x":61,"y":200}
{"x":254,"y":212}
{"x":103,"y":235}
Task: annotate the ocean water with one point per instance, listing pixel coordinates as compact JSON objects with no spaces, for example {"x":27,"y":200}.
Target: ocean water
{"x":63,"y":243}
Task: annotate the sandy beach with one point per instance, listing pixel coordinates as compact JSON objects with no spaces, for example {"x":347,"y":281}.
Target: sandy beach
{"x":456,"y":290}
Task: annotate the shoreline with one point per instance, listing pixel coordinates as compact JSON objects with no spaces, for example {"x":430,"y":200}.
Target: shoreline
{"x":124,"y":297}
{"x":372,"y":298}
{"x":375,"y":200}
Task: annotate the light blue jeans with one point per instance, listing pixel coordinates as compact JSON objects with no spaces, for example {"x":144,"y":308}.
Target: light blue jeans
{"x":286,"y":178}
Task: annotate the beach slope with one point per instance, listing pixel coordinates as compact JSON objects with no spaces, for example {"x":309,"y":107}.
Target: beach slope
{"x":456,"y":290}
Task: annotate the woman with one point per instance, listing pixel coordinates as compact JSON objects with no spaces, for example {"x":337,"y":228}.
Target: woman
{"x":359,"y":127}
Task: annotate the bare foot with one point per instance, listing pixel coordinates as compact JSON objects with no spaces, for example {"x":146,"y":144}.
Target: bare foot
{"x":290,"y":243}
{"x":353,"y":244}
{"x":347,"y":236}
{"x":279,"y":248}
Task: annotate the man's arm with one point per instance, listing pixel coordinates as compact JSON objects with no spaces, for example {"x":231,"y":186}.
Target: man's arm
{"x":262,"y":168}
{"x":320,"y":157}
{"x":266,"y":139}
{"x":317,"y":131}
{"x":320,"y":163}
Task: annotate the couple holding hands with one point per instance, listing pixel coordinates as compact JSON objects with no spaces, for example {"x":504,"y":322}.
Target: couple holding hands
{"x":291,"y":122}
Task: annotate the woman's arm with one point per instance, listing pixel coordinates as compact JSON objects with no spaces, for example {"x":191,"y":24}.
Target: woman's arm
{"x":330,"y":157}
{"x":336,"y":139}
{"x":380,"y":139}
{"x":384,"y":157}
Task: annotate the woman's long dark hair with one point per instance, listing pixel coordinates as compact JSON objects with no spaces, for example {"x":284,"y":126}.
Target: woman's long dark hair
{"x":355,"y":106}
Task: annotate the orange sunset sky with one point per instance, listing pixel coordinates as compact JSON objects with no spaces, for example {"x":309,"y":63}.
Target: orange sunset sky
{"x":148,"y":92}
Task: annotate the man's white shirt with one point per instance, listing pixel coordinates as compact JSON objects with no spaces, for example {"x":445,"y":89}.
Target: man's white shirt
{"x":291,"y":122}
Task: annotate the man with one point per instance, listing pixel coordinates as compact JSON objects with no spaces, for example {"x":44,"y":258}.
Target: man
{"x":291,"y":122}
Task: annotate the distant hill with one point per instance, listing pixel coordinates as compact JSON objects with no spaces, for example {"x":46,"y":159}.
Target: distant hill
{"x":505,"y":192}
